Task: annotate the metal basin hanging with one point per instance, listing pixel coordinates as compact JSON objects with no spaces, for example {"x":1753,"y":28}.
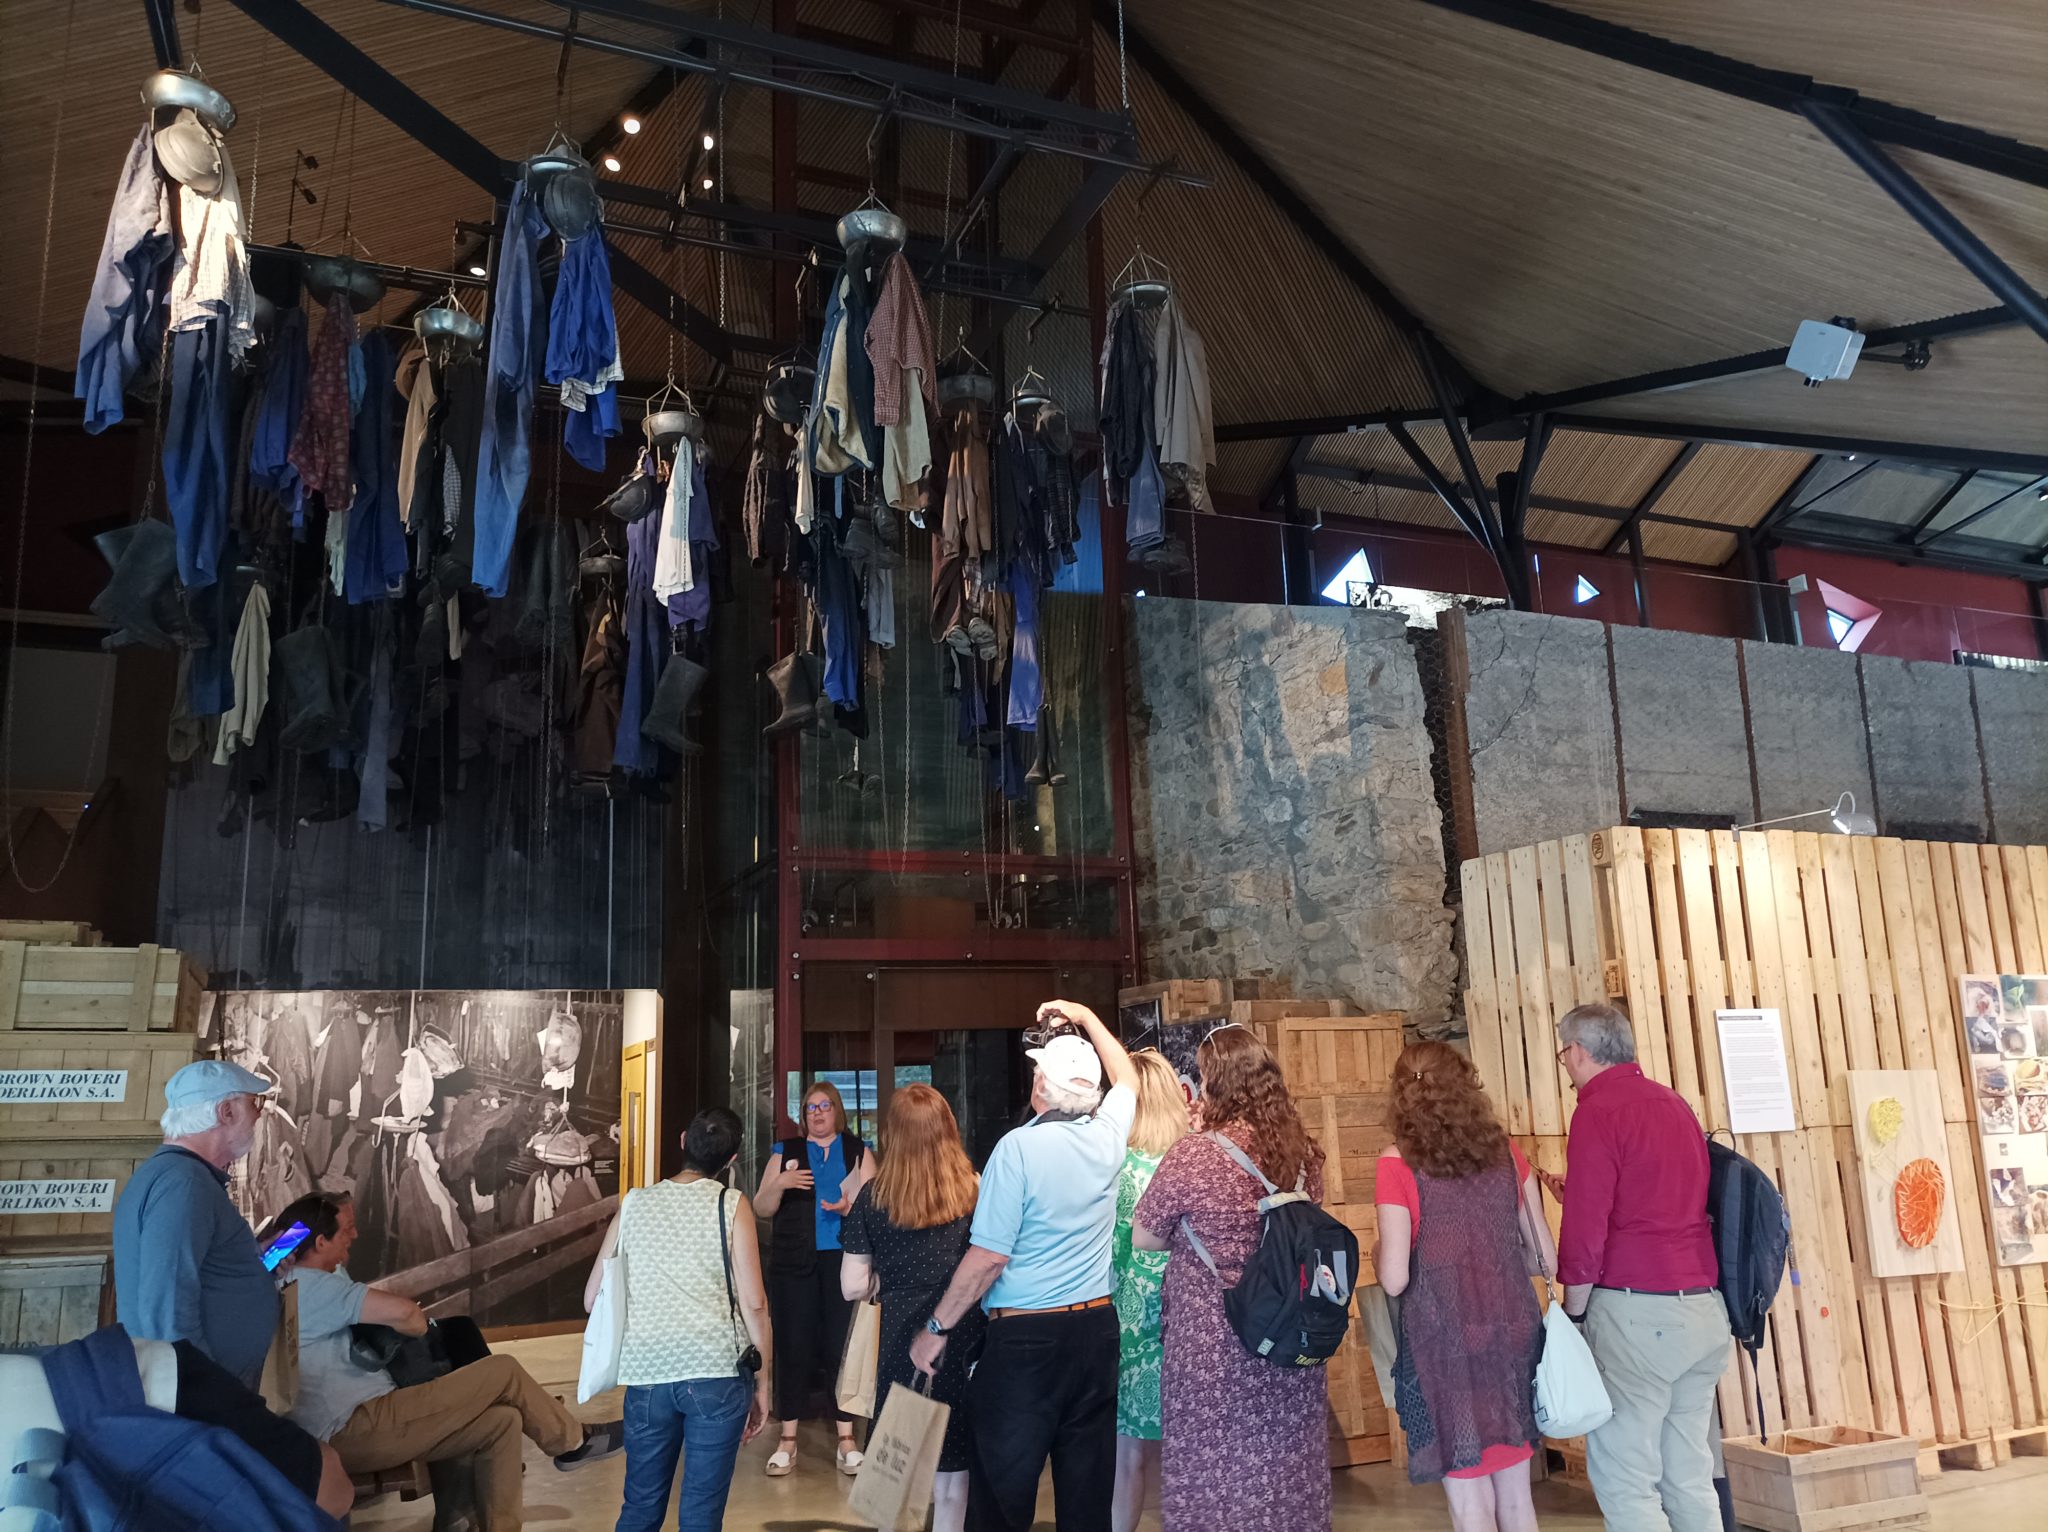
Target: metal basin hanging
{"x":170,"y":90}
{"x":327,"y":275}
{"x":963,"y":386}
{"x":787,"y":393}
{"x":664,"y":428}
{"x":452,"y":326}
{"x":883,"y":232}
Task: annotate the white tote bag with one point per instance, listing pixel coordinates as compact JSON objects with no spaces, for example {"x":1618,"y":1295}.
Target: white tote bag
{"x":1570,"y":1398}
{"x":605,"y":1331}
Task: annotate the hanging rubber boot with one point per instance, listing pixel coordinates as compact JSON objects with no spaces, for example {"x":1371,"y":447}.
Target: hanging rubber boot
{"x":799,"y":683}
{"x":1045,"y":755}
{"x":668,"y":713}
{"x":140,"y":596}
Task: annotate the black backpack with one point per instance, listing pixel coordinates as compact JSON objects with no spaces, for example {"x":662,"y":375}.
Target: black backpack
{"x":1752,"y":1234}
{"x":1292,"y":1305}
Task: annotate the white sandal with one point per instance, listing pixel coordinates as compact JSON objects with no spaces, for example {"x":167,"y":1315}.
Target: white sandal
{"x":781,"y":1461}
{"x":850,"y":1459}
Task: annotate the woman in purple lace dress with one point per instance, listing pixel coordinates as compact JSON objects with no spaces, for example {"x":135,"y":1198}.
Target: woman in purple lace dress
{"x":1247,"y":1442}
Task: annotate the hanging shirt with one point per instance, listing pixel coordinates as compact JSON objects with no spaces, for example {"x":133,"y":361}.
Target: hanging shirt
{"x":415,"y":380}
{"x":126,"y":312}
{"x":1127,"y":391}
{"x":837,"y":443}
{"x":376,"y":551}
{"x":583,"y":349}
{"x":968,"y":527}
{"x":646,"y":644}
{"x":518,"y":343}
{"x":899,"y":340}
{"x":210,"y":278}
{"x":672,"y":571}
{"x":283,"y":398}
{"x":320,"y":447}
{"x":1181,"y":421}
{"x":1027,"y":681}
{"x":691,"y":608}
{"x":250,"y":665}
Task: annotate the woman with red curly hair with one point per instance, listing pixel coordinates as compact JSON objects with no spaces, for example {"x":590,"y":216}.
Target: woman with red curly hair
{"x":1461,"y":1223}
{"x":1246,"y":1444}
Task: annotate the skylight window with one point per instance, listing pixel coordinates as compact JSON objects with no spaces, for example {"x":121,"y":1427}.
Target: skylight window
{"x":1352,"y":581}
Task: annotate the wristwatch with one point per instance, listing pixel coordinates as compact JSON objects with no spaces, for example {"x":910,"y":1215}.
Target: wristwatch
{"x":933,"y":1327}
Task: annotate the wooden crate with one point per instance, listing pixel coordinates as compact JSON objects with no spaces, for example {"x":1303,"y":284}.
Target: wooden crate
{"x":1179,"y":999}
{"x":1857,"y":942}
{"x":1826,"y":1479}
{"x":48,"y":1300}
{"x":54,"y":933}
{"x":99,"y":989}
{"x":149,"y":1059}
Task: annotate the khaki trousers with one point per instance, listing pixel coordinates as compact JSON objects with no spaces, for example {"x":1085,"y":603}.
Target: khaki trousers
{"x":479,"y":1411}
{"x":1652,"y":1465}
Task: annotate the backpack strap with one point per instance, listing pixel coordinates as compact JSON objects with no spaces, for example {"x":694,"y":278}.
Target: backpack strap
{"x":1274,"y":1196}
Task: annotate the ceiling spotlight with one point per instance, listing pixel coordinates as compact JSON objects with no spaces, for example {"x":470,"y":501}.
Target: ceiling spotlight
{"x":709,"y":141}
{"x":477,"y":271}
{"x":611,"y":163}
{"x":707,"y":183}
{"x":2041,"y":493}
{"x":1849,"y":457}
{"x":630,"y":123}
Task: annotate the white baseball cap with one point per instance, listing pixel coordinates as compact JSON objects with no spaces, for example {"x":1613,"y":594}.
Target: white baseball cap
{"x":1069,"y":1060}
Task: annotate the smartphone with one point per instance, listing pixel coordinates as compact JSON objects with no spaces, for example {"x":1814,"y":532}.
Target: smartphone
{"x":284,"y":1245}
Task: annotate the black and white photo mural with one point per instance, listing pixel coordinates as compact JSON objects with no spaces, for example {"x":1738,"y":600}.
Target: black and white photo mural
{"x":476,"y":1132}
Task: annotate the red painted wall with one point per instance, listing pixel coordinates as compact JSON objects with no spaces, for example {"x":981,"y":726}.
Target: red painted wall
{"x":1928,"y":613}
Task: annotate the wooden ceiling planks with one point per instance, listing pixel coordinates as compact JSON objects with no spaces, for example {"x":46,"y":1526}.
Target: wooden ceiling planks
{"x":1562,"y":219}
{"x":1980,"y":62}
{"x":1736,"y":486}
{"x":1285,"y":332}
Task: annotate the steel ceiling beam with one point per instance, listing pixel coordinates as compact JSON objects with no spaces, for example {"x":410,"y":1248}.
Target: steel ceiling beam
{"x":1834,"y":120}
{"x":1666,"y":379}
{"x":1941,"y":503}
{"x":1776,"y":88}
{"x":1973,"y":555}
{"x":294,"y":25}
{"x":988,"y":20}
{"x":1366,"y":477}
{"x":1001,"y":102}
{"x":1922,"y":539}
{"x":1807,"y":441}
{"x":1657,"y":491}
{"x":163,"y":32}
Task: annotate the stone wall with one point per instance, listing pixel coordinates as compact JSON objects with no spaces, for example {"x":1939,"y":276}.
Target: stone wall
{"x":1282,"y":807}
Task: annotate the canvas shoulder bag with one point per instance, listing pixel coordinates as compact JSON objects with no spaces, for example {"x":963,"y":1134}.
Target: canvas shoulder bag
{"x":604,"y":1333}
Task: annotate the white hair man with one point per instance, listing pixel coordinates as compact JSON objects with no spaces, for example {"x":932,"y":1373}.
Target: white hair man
{"x":186,"y":1270}
{"x":1038,"y":1260}
{"x":1637,"y":1259}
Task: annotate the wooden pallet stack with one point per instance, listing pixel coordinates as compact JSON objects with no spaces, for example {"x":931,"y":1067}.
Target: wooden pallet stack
{"x":69,"y":1015}
{"x":1858,"y":943}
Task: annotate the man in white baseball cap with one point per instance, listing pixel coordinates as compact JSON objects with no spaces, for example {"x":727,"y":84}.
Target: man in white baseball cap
{"x":1039,"y":1262}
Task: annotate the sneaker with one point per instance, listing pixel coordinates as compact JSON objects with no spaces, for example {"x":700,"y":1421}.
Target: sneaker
{"x":599,"y":1441}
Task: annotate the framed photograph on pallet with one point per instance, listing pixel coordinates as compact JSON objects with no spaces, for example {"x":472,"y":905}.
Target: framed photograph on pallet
{"x":2005,"y":1029}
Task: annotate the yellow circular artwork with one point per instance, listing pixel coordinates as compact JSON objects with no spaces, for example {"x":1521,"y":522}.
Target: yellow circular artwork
{"x":1886,"y":1118}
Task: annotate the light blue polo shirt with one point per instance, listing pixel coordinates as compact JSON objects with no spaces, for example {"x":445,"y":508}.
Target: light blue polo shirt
{"x":1048,"y":1202}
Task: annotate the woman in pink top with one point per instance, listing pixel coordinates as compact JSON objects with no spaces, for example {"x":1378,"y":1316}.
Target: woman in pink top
{"x":1468,"y":1322}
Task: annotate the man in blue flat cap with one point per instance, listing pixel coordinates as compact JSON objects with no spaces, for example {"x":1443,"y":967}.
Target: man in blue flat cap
{"x":186,"y":1266}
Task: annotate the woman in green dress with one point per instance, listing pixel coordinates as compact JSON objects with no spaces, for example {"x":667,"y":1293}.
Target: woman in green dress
{"x":1161,"y":1121}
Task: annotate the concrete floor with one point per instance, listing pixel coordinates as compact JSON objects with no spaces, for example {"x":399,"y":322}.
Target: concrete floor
{"x":813,"y":1499}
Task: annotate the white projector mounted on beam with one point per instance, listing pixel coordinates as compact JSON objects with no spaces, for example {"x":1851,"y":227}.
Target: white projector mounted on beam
{"x":1824,"y":353}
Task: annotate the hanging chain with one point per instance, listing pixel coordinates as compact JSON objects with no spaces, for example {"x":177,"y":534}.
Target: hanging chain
{"x":21,"y":533}
{"x":256,"y":152}
{"x":1123,"y":65}
{"x":952,"y":139}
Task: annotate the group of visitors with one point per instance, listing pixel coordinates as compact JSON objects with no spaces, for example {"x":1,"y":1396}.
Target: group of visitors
{"x":1059,"y":1303}
{"x":1041,"y":1301}
{"x":1462,"y":1230}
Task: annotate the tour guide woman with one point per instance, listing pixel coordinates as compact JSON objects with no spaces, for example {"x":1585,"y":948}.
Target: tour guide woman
{"x":806,"y":1188}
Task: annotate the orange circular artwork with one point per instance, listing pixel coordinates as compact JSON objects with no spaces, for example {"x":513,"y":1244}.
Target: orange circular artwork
{"x":1916,"y":1202}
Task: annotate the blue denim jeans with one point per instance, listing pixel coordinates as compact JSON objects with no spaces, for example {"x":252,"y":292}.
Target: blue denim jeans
{"x":701,"y":1421}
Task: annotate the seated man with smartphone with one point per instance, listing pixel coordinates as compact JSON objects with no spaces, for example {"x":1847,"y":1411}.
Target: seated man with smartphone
{"x":479,"y":1411}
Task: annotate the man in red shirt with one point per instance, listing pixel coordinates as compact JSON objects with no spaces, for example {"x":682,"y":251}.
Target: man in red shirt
{"x":1636,"y":1256}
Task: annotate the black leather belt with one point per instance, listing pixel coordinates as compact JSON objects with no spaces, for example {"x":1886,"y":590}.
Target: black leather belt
{"x":1660,"y":1292}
